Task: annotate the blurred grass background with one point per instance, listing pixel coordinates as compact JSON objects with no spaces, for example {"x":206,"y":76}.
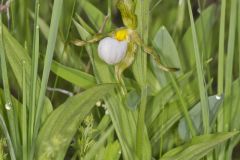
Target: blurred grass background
{"x":164,"y":110}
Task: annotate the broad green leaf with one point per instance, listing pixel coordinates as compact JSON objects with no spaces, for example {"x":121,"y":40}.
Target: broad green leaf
{"x":58,"y":130}
{"x":198,"y":147}
{"x":164,"y":43}
{"x":195,"y":113}
{"x":77,"y":77}
{"x":15,"y":55}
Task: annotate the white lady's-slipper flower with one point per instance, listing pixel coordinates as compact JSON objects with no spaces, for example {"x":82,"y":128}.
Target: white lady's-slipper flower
{"x":113,"y":50}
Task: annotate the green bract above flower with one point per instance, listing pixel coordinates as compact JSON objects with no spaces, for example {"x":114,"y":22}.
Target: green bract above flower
{"x":111,"y":50}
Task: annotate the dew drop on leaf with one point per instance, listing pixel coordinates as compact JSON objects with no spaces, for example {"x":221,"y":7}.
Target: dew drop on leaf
{"x":8,"y":106}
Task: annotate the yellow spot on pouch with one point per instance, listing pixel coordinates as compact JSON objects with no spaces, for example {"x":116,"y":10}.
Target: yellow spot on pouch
{"x":121,"y":35}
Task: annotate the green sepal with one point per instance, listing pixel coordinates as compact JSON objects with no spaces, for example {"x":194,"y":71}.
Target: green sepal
{"x":127,"y":9}
{"x":127,"y":60}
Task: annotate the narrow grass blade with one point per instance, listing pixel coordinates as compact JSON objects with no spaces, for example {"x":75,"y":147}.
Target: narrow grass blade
{"x":221,"y":71}
{"x":163,"y":97}
{"x":8,"y":138}
{"x":24,"y":117}
{"x":221,"y":48}
{"x":229,"y":65}
{"x":238,"y":30}
{"x":200,"y":74}
{"x":198,"y":147}
{"x":56,"y":13}
{"x":186,"y":46}
{"x":169,"y":116}
{"x":33,"y":94}
{"x":143,"y":147}
{"x":11,"y":111}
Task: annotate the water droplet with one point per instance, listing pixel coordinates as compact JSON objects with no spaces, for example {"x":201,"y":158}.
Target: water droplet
{"x":98,"y":104}
{"x":218,"y":97}
{"x":8,"y":106}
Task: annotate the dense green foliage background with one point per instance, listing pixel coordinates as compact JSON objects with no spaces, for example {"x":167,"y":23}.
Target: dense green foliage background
{"x":59,"y":101}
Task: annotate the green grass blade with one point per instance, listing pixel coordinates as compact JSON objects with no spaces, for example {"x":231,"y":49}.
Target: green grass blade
{"x":179,"y":20}
{"x":66,"y":20}
{"x":34,"y":76}
{"x":8,"y":138}
{"x":143,"y":149}
{"x":140,"y":62}
{"x":24,"y":117}
{"x":221,"y":71}
{"x":186,"y":46}
{"x":169,"y":116}
{"x":221,"y":48}
{"x":7,"y":95}
{"x":184,"y":106}
{"x":229,"y":65}
{"x":200,"y":74}
{"x":163,"y":97}
{"x":56,"y":13}
{"x":198,"y":147}
{"x":238,"y":29}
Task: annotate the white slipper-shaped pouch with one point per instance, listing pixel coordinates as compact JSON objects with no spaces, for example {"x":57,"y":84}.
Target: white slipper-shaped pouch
{"x":111,"y":50}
